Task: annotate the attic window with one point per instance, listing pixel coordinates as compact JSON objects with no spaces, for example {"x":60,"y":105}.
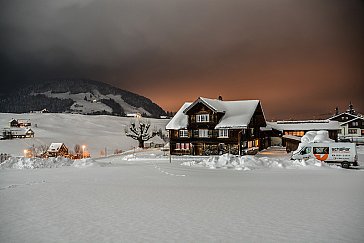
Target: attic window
{"x":202,"y":118}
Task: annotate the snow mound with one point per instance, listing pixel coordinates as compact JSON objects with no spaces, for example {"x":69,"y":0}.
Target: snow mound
{"x":251,"y":162}
{"x":316,"y":137}
{"x":84,"y":163}
{"x":21,"y":163}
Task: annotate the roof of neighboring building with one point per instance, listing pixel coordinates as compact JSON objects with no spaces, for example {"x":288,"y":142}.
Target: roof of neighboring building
{"x":343,"y":113}
{"x":291,"y":137}
{"x":237,"y":114}
{"x":54,"y":147}
{"x":356,"y":118}
{"x":308,"y":125}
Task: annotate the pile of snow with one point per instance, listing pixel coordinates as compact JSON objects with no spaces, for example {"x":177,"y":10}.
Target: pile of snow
{"x":316,"y":137}
{"x":250,"y":162}
{"x":83,"y":163}
{"x":36,"y":163}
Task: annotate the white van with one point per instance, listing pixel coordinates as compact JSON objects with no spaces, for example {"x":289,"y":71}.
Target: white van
{"x":337,"y":153}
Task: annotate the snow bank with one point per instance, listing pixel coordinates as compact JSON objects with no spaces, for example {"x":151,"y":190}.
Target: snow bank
{"x":83,"y":163}
{"x":36,"y":163}
{"x":250,"y":162}
{"x":316,"y":137}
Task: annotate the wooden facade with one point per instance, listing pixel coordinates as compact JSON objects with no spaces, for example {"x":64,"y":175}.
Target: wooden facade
{"x":201,"y":137}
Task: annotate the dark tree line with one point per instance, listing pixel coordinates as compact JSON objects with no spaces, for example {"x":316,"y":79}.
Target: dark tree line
{"x":116,"y":108}
{"x":27,"y":103}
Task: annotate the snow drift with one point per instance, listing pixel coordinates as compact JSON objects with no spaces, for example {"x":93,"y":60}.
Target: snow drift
{"x":251,"y":162}
{"x":37,"y":163}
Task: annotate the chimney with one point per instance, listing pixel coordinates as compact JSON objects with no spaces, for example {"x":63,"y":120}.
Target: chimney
{"x":220,"y":97}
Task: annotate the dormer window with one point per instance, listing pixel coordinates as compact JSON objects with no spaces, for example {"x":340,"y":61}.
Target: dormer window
{"x":183,"y":133}
{"x":202,"y":118}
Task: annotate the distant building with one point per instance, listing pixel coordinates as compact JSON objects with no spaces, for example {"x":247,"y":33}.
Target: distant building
{"x":136,"y":115}
{"x":57,"y":149}
{"x":20,"y":123}
{"x":351,"y":125}
{"x":10,"y":133}
{"x":289,"y":133}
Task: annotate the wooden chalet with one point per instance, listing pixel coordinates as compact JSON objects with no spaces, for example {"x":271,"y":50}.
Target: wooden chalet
{"x":10,"y":133}
{"x":213,"y":126}
{"x":13,"y":123}
{"x":20,"y":123}
{"x":57,"y":149}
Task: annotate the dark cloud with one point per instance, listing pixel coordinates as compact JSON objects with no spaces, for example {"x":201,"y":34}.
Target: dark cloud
{"x":309,"y":52}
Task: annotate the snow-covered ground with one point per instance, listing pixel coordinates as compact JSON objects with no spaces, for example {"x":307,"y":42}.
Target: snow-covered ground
{"x":140,"y":196}
{"x":96,"y":132}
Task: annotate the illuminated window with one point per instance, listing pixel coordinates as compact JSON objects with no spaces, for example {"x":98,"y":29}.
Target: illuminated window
{"x":223,"y":133}
{"x":203,"y":133}
{"x":250,"y":144}
{"x":183,"y":133}
{"x":202,"y":118}
{"x":178,"y":146}
{"x":187,"y":146}
{"x":352,"y":131}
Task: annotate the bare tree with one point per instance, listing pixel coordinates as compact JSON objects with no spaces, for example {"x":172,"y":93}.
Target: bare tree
{"x":140,"y":132}
{"x":41,"y":150}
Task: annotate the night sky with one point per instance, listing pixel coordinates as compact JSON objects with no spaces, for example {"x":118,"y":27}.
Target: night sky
{"x":301,"y":58}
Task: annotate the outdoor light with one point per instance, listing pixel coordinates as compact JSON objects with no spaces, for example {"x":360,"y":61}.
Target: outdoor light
{"x":83,"y":151}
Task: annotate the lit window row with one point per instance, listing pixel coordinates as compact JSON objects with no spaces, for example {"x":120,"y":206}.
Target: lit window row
{"x":204,"y":133}
{"x":183,"y":146}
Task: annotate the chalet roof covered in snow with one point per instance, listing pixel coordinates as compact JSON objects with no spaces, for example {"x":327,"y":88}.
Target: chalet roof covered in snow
{"x":237,"y":114}
{"x":180,"y":120}
{"x":54,"y":147}
{"x":304,"y":125}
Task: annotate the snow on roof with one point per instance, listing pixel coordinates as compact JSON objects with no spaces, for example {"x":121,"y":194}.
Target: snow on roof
{"x":343,"y":113}
{"x":55,"y":147}
{"x":180,"y":120}
{"x":292,"y":137}
{"x":304,"y":125}
{"x":237,"y":113}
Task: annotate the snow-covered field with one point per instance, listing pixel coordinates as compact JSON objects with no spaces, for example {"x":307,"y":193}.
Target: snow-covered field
{"x":142,"y":197}
{"x":96,"y":132}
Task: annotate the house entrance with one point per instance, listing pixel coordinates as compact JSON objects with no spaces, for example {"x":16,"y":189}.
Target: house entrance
{"x":198,"y":149}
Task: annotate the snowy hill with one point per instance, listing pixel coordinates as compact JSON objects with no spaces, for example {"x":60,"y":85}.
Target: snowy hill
{"x":78,"y":96}
{"x":96,"y":132}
